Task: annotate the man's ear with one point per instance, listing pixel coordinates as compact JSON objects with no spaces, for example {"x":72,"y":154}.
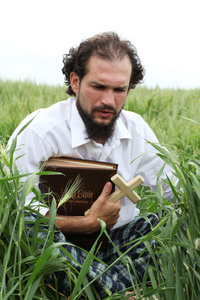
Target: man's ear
{"x":74,"y":81}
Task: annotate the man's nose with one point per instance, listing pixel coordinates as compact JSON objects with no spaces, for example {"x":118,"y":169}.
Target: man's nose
{"x":108,"y":98}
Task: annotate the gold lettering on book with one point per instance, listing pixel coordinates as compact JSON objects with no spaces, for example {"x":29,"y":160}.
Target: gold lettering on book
{"x":83,"y":195}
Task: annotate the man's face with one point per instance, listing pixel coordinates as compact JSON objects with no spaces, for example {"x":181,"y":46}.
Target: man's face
{"x":102,"y":92}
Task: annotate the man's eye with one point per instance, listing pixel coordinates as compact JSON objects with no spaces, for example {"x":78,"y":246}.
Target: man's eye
{"x":102,"y":88}
{"x":99,"y":87}
{"x":119,"y":90}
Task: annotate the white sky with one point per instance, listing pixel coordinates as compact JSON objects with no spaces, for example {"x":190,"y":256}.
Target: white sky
{"x":34,"y":35}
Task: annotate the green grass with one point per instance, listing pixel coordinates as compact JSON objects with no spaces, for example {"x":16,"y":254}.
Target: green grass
{"x":26,"y":263}
{"x":171,"y":114}
{"x":18,"y":99}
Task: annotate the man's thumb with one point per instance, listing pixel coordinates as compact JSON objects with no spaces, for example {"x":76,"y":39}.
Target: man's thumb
{"x":106,"y":191}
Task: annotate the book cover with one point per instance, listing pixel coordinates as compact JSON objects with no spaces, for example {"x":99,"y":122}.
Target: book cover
{"x":94,"y":175}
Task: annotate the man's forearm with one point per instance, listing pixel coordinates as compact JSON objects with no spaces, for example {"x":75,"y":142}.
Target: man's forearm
{"x":76,"y":224}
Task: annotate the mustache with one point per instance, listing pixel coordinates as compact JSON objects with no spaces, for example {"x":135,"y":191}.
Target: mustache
{"x":104,"y":107}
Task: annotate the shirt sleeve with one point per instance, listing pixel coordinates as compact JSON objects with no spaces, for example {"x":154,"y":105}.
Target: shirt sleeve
{"x":151,"y":164}
{"x":31,"y":149}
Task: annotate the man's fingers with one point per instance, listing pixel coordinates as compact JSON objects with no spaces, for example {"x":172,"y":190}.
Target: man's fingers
{"x":102,"y":198}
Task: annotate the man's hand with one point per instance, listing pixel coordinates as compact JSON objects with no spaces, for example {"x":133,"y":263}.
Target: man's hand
{"x":106,"y":211}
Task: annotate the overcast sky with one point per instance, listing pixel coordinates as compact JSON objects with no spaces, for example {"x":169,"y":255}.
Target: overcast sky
{"x":36,"y":34}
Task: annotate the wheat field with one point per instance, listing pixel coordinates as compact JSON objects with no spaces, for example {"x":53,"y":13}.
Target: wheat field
{"x":27,"y":263}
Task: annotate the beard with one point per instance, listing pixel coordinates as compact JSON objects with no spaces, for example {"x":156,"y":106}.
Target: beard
{"x":96,"y":130}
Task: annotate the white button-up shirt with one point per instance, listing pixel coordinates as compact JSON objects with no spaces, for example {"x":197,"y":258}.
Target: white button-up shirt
{"x":60,"y":131}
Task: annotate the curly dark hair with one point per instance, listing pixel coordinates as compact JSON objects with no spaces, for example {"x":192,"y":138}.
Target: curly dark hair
{"x":109,"y":46}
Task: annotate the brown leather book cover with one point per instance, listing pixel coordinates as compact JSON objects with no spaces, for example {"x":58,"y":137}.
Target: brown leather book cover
{"x":94,"y":175}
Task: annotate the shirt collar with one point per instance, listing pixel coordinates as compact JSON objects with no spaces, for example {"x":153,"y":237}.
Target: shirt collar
{"x":78,"y":135}
{"x":121,"y":132}
{"x":78,"y":129}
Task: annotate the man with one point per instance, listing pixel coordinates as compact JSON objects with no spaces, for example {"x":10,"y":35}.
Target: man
{"x":93,"y":125}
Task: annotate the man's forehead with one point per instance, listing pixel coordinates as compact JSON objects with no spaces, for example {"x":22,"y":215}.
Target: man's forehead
{"x":98,"y":59}
{"x":116,"y":71}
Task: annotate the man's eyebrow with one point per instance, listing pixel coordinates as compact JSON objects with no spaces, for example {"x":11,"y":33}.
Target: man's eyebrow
{"x":97,"y":83}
